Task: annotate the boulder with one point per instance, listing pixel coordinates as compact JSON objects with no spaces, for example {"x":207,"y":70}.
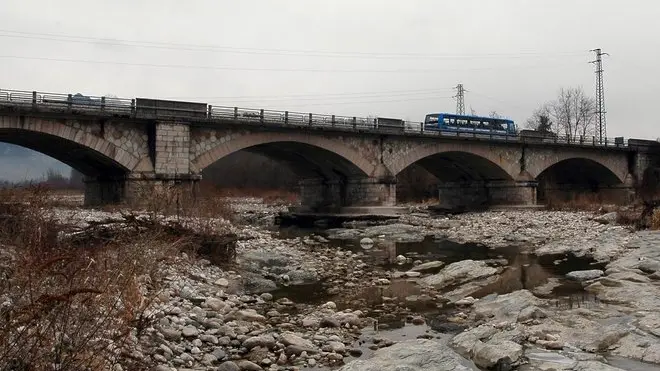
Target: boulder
{"x":430,"y":266}
{"x":171,"y":334}
{"x":587,"y":275}
{"x":245,"y":365}
{"x":334,"y":346}
{"x":297,"y":350}
{"x":302,"y":276}
{"x":649,"y":265}
{"x":501,"y":353}
{"x":459,"y":272}
{"x":289,"y":338}
{"x":505,"y":307}
{"x":266,"y":341}
{"x":222,"y":282}
{"x":411,"y":355}
{"x":216,"y":304}
{"x":190,"y":331}
{"x":256,"y":284}
{"x":366,"y":241}
{"x":531,"y":312}
{"x":228,"y":366}
{"x":465,"y":342}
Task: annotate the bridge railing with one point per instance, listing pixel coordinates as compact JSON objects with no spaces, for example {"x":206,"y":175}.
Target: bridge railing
{"x":412,"y":127}
{"x":288,"y":118}
{"x":79,"y":103}
{"x":67,"y":102}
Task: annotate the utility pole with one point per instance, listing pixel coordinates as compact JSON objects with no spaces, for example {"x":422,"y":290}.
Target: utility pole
{"x":600,"y":95}
{"x":460,"y":100}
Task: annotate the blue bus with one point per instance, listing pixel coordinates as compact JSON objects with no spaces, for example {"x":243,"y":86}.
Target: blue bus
{"x":469,"y":124}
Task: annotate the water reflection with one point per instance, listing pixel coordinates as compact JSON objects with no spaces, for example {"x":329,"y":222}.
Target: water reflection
{"x":544,"y":276}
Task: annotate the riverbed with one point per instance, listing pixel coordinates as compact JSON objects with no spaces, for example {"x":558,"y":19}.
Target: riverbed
{"x":528,"y":290}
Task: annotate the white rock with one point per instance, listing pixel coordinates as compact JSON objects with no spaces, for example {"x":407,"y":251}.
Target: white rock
{"x":222,"y":282}
{"x":412,"y":355}
{"x":466,"y":301}
{"x":189,"y":331}
{"x":585,"y":275}
{"x":289,"y":338}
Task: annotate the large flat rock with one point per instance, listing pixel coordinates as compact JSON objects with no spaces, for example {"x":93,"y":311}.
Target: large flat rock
{"x":413,"y":355}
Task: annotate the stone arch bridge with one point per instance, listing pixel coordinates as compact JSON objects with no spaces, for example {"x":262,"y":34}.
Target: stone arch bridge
{"x":341,"y":162}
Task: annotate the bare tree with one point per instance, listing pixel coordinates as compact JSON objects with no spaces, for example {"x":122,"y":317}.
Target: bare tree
{"x":494,"y":115}
{"x":573,"y":113}
{"x":541,"y":120}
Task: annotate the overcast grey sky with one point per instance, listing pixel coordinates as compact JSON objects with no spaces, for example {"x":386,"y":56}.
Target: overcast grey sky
{"x":386,"y":57}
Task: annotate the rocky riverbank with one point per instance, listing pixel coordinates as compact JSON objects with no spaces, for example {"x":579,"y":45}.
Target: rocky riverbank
{"x":532,"y":290}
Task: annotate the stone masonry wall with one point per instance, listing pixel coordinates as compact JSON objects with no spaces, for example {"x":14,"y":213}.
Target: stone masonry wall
{"x":370,"y":192}
{"x":320,"y":194}
{"x":131,"y":137}
{"x":466,"y":194}
{"x":512,"y":193}
{"x":172,"y":149}
{"x":459,"y":194}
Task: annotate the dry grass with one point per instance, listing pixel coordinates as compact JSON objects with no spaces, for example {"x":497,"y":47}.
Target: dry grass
{"x":70,"y":303}
{"x":628,"y":217}
{"x":655,"y":220}
{"x":576,"y":201}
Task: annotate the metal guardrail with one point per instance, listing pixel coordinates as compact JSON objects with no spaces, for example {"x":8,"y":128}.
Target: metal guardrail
{"x":111,"y":106}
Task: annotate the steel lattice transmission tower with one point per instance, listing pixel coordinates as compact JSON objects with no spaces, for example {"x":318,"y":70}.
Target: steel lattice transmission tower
{"x":600,"y":95}
{"x":460,"y":99}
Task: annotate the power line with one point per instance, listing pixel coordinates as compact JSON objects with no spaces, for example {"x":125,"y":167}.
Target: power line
{"x":287,"y":52}
{"x":231,"y":68}
{"x":600,"y":94}
{"x":499,"y":100}
{"x":384,"y":93}
{"x":372,"y":101}
{"x":460,"y":99}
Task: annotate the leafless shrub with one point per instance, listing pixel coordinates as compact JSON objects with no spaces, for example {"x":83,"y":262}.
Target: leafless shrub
{"x":628,"y":217}
{"x":655,"y":220}
{"x":73,"y":301}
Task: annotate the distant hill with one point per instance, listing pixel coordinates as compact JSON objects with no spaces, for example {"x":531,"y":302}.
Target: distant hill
{"x":19,"y":164}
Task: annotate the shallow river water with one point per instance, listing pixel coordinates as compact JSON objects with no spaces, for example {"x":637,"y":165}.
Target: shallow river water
{"x":545,"y":276}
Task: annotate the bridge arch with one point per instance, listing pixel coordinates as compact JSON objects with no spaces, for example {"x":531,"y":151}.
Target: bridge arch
{"x":542,"y":160}
{"x":575,"y":177}
{"x":458,"y":161}
{"x":308,"y":155}
{"x":84,"y":151}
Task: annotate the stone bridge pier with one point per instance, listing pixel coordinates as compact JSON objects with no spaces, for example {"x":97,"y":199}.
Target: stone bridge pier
{"x":162,"y":171}
{"x":484,"y":193}
{"x":318,"y":194}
